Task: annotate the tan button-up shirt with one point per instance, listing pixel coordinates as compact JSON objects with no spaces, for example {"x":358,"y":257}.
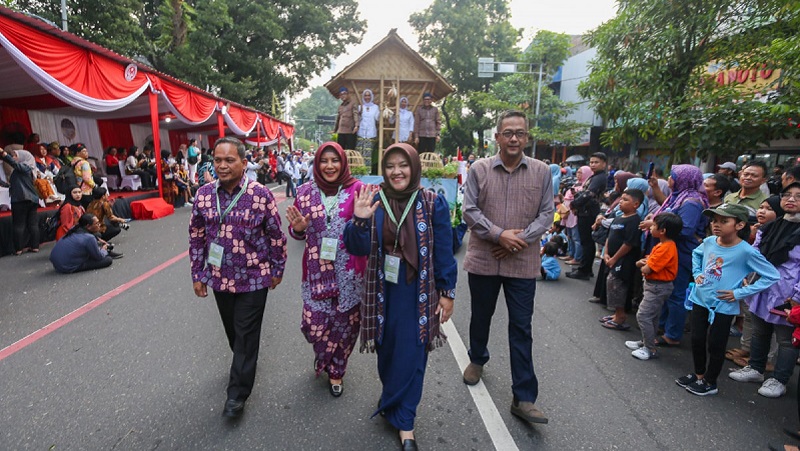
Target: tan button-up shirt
{"x":495,"y":200}
{"x":346,"y":117}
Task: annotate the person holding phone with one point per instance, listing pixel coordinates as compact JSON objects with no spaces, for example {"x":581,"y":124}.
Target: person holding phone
{"x":779,"y":242}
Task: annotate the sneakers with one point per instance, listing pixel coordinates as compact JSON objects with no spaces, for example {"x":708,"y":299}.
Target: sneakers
{"x":772,"y":388}
{"x":634,"y":345}
{"x":528,"y":412}
{"x":644,"y":354}
{"x":687,"y":380}
{"x":702,"y":388}
{"x":747,"y":374}
{"x":473,"y":373}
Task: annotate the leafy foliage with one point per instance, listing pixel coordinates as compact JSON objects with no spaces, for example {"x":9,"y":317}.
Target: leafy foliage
{"x":454,"y":33}
{"x":243,"y":51}
{"x":649,"y":79}
{"x":319,"y":103}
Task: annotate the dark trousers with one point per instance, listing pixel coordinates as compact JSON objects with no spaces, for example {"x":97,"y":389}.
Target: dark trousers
{"x":95,"y":264}
{"x":426,"y":144}
{"x":587,"y":244}
{"x":25,"y":223}
{"x":241,"y":315}
{"x":347,"y":140}
{"x":713,"y":336}
{"x":112,"y":230}
{"x":519,"y":294}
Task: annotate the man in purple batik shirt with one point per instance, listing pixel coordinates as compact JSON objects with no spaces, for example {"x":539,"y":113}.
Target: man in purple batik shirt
{"x":237,"y":249}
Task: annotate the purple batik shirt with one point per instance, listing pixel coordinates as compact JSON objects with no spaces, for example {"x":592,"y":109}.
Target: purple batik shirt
{"x":255,"y":246}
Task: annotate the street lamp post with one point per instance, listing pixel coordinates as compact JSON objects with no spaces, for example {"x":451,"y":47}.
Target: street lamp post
{"x":487,"y":67}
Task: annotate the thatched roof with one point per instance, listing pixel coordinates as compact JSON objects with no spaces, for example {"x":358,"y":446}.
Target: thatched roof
{"x":392,"y":59}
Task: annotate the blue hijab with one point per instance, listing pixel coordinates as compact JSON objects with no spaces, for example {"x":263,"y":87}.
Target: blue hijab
{"x":555,"y":171}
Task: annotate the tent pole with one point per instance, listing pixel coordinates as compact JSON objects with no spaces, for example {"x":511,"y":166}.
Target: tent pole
{"x":156,"y":140}
{"x":220,"y":125}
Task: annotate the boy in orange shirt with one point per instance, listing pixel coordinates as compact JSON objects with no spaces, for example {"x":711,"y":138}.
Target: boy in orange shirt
{"x":659,"y":270}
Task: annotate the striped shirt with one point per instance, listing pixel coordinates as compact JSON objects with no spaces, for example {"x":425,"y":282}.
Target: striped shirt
{"x":496,"y":199}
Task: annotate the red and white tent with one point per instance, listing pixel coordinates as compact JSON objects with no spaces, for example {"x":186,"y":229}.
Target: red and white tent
{"x":69,"y":90}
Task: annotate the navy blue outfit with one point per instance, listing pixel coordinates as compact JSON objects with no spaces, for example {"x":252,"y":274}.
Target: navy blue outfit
{"x":78,"y":252}
{"x":402,"y":355}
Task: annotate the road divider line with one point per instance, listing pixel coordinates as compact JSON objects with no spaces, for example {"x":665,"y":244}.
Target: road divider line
{"x":86,"y":308}
{"x":498,"y":431}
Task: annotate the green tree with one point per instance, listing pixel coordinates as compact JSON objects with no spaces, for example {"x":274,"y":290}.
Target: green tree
{"x":243,"y":51}
{"x":454,"y":33}
{"x":650,"y":81}
{"x":548,"y":50}
{"x":319,"y":103}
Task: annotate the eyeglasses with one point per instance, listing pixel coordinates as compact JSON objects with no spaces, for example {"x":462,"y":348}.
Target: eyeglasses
{"x":796,"y":197}
{"x":520,"y":134}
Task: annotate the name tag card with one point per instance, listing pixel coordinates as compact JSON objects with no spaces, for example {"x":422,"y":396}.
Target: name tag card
{"x":391,"y":268}
{"x":215,"y":253}
{"x":329,"y":248}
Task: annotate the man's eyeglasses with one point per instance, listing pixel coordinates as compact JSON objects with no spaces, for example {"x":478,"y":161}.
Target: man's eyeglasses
{"x":520,"y":134}
{"x":796,"y":197}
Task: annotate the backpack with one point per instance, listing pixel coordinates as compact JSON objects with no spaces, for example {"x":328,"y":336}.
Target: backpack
{"x":65,"y":178}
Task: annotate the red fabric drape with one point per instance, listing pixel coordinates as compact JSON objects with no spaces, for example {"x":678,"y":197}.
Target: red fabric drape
{"x":87,"y":72}
{"x":115,"y":134}
{"x":13,"y":120}
{"x":271,"y":127}
{"x":176,"y":138}
{"x":244,"y":119}
{"x":193,"y":106}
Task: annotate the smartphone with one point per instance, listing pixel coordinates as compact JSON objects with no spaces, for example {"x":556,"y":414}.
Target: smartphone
{"x":778,"y":312}
{"x":785,"y":306}
{"x":650,"y":168}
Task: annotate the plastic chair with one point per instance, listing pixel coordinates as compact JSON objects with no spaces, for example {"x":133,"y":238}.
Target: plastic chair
{"x":132,"y":182}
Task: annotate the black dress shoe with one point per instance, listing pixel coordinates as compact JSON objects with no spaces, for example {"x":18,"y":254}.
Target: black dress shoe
{"x":409,"y":444}
{"x":579,"y":275}
{"x":233,"y":408}
{"x":336,"y":390}
{"x":115,"y":255}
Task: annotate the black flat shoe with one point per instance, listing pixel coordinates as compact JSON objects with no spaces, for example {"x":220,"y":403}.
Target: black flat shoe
{"x":409,"y":444}
{"x":336,"y":390}
{"x":233,"y":408}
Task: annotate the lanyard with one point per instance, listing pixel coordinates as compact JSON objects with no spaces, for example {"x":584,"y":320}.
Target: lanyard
{"x":329,"y":202}
{"x":233,"y":202}
{"x":393,"y":219}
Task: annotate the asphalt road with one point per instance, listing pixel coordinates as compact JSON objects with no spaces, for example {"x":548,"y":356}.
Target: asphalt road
{"x":147,"y":369}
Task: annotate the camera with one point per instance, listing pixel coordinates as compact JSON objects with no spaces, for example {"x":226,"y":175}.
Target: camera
{"x":124,"y":226}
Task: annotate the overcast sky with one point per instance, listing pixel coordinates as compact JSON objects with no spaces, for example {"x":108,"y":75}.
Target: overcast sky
{"x":562,"y":16}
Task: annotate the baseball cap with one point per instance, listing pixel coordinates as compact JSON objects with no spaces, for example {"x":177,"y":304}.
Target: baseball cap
{"x":730,"y":210}
{"x":728,"y":165}
{"x":427,"y":95}
{"x":342,"y":89}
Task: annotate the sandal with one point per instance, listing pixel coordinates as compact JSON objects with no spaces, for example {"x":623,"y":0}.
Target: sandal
{"x":610,"y":324}
{"x":606,"y":318}
{"x":661,"y":341}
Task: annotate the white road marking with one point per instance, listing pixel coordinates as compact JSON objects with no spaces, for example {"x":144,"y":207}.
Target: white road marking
{"x":495,"y":425}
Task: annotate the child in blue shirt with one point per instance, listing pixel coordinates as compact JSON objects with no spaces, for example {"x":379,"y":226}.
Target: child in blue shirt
{"x":719,"y":265}
{"x":551,"y":270}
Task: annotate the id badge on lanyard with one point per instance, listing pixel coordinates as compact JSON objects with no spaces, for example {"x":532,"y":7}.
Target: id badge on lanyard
{"x":391,"y":268}
{"x":329,"y":245}
{"x":216,"y":252}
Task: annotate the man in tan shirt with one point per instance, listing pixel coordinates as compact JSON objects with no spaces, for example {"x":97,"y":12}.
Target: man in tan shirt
{"x":508,"y":205}
{"x":347,"y":120}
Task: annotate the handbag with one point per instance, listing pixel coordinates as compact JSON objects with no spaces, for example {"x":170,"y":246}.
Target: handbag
{"x":49,"y":226}
{"x":600,"y":235}
{"x":563,"y":211}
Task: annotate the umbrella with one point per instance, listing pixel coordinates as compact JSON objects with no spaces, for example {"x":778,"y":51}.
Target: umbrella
{"x":575,"y":159}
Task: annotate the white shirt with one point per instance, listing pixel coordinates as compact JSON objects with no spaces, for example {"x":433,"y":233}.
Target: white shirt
{"x":406,"y":125}
{"x":368,"y":127}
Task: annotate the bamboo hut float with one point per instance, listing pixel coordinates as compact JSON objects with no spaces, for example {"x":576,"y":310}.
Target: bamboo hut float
{"x":391,"y":69}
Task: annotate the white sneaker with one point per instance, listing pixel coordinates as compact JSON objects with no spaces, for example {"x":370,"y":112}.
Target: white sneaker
{"x":746,"y":374}
{"x":634,"y":345}
{"x":643,"y":354}
{"x":772,"y":388}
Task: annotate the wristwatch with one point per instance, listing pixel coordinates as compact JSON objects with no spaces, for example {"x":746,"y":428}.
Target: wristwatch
{"x":451,"y":293}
